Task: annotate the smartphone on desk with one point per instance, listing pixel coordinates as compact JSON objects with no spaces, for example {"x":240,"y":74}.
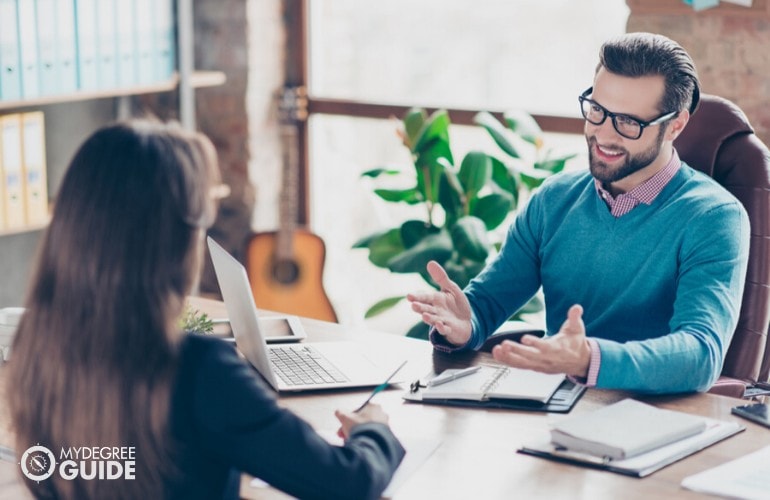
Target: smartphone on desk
{"x":758,"y":412}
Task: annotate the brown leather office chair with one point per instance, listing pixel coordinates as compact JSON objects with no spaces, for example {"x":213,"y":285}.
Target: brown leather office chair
{"x":719,"y":141}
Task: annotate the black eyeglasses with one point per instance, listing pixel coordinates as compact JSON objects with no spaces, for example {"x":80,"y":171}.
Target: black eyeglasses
{"x":625,"y":125}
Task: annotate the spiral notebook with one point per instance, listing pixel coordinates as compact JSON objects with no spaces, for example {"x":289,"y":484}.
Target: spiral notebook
{"x":500,"y":387}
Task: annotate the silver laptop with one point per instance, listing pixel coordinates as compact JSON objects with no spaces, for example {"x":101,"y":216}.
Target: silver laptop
{"x":289,"y":367}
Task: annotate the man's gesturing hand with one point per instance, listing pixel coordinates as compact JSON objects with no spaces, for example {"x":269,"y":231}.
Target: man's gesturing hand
{"x":448,"y":310}
{"x":566,"y":352}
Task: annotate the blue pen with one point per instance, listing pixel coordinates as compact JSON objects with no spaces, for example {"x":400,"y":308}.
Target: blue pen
{"x":379,"y":388}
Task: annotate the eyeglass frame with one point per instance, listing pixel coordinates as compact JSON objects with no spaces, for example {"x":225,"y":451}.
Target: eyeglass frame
{"x":607,"y":113}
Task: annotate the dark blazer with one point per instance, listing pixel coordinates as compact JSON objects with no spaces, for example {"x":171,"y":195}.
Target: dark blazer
{"x":224,"y":420}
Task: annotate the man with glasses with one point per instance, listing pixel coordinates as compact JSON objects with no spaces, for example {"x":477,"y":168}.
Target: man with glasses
{"x":641,"y":259}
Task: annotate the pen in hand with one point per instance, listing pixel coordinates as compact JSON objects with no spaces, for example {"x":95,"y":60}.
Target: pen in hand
{"x":379,"y":388}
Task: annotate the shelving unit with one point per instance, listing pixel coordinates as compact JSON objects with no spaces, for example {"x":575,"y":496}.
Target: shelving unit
{"x":198,"y":79}
{"x":70,"y":123}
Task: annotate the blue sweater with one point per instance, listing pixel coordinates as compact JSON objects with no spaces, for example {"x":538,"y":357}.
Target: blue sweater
{"x":661,"y":286}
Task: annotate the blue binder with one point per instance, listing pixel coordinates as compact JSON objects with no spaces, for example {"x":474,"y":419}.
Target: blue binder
{"x":145,"y":42}
{"x":10,"y":66}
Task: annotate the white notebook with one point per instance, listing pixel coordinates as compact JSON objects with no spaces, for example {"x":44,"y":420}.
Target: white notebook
{"x":625,"y":429}
{"x":498,"y":382}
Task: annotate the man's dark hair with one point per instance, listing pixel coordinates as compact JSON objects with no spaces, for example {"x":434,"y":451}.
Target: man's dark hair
{"x":646,"y":54}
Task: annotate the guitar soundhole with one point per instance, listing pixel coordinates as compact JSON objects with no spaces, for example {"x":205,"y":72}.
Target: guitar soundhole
{"x":285,"y":272}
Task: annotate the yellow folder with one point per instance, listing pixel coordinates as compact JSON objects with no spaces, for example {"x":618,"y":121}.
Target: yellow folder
{"x":34,"y":161}
{"x":13,"y":178}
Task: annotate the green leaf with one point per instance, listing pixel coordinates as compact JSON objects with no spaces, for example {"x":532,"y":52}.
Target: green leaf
{"x":366,"y":240}
{"x":475,"y":172}
{"x":533,"y":178}
{"x":413,"y":122}
{"x":430,"y":166}
{"x":419,"y":331}
{"x":534,"y":305}
{"x":382,"y":306}
{"x":505,"y":179}
{"x":469,"y":235}
{"x":522,"y":123}
{"x":451,"y":197}
{"x":412,"y":231}
{"x":554,"y":165}
{"x":410,"y":196}
{"x":376,"y":172}
{"x":493,"y":209}
{"x":385,"y":246}
{"x":462,"y":272}
{"x":436,"y":127}
{"x":497,"y":131}
{"x":436,"y":247}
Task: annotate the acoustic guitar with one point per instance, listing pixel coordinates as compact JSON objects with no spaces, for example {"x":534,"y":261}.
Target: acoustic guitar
{"x":285,"y":267}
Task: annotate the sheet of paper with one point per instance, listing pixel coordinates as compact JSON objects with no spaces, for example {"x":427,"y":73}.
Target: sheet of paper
{"x":418,"y":449}
{"x":746,"y":477}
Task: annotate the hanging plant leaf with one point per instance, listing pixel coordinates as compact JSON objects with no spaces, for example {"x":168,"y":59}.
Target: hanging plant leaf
{"x":376,"y":172}
{"x":505,"y":179}
{"x":382,"y":306}
{"x":410,"y":196}
{"x":497,"y":131}
{"x":413,"y":231}
{"x":419,"y":331}
{"x":469,"y":236}
{"x":385,"y":246}
{"x":436,"y":247}
{"x":524,"y":125}
{"x":554,"y":165}
{"x":435,"y":127}
{"x":413,"y":122}
{"x":475,"y":172}
{"x":493,"y":209}
{"x":451,"y":197}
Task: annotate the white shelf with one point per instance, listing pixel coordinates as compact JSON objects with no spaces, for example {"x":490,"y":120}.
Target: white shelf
{"x":198,"y":79}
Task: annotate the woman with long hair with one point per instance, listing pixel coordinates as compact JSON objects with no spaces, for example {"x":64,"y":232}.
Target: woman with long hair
{"x":99,"y":360}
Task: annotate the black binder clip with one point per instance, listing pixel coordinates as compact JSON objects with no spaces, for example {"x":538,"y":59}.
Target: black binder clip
{"x":415,"y":386}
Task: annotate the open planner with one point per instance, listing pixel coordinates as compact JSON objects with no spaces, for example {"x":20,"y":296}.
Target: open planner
{"x":500,"y":387}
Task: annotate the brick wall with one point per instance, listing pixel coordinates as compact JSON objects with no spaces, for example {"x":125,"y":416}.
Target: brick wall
{"x":731,"y":51}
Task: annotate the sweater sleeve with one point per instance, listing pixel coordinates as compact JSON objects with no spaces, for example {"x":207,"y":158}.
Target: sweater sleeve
{"x":712,"y":269}
{"x":240,"y":423}
{"x":511,"y":278}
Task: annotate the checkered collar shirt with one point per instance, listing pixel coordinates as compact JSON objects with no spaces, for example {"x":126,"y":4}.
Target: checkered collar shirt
{"x":643,"y":193}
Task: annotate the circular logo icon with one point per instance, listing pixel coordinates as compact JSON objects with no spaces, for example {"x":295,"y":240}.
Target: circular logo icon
{"x":38,"y":463}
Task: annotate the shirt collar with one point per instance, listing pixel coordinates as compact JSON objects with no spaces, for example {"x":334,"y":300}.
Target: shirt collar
{"x":647,"y":191}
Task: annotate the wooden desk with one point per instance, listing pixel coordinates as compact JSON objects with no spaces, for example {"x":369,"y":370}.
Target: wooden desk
{"x":477,"y":457}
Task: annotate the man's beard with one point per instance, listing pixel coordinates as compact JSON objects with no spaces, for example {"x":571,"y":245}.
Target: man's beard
{"x":606,"y":175}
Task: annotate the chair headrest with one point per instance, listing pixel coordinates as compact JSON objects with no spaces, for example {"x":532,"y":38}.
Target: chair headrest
{"x":715,"y":121}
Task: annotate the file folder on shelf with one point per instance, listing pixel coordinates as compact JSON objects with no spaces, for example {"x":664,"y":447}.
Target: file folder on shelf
{"x":33,"y":155}
{"x":107,"y":43}
{"x":66,"y":50}
{"x":164,"y":40}
{"x":145,"y":41}
{"x":10,"y":65}
{"x":86,"y":45}
{"x":28,"y":48}
{"x":45,"y":25}
{"x":10,"y":135}
{"x":126,"y":40}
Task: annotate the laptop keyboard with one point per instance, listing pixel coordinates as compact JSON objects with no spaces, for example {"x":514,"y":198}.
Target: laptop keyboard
{"x":302,"y":364}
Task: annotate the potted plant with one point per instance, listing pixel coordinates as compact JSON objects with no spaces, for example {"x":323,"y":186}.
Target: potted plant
{"x":462,"y":204}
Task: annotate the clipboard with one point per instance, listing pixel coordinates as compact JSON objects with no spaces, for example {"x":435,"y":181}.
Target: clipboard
{"x":562,"y":400}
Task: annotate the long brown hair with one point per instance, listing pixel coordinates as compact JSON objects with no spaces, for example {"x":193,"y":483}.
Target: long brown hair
{"x":94,"y":355}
